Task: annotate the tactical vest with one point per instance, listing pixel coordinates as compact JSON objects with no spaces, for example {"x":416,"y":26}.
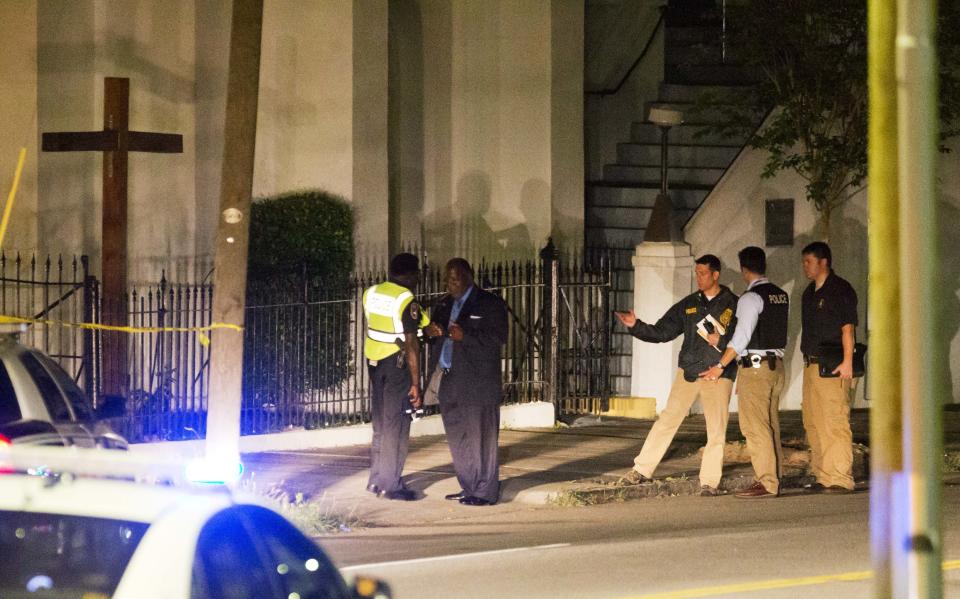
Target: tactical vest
{"x":383,"y":305}
{"x":771,"y":331}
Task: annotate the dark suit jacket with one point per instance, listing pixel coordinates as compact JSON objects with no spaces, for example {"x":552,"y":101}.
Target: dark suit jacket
{"x":476,"y":359}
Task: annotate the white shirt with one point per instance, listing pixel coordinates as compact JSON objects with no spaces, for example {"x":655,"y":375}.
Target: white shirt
{"x":749,"y":307}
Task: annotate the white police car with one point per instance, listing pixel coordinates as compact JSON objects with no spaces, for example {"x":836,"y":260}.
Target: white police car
{"x":71,"y":536}
{"x":41,"y":405}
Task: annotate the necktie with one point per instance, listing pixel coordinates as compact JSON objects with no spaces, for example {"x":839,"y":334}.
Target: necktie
{"x":446,"y":352}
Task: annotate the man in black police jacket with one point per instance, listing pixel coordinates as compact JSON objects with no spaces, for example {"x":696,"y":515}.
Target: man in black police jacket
{"x":702,"y":346}
{"x":469,"y":325}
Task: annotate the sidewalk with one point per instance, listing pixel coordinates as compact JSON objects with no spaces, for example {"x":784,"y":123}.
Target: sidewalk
{"x":563,"y":466}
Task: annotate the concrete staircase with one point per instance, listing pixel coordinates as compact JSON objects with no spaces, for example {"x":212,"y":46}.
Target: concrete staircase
{"x":619,"y":205}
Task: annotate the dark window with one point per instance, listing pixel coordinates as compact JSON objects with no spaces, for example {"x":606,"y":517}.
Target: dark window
{"x":9,"y":406}
{"x":303,"y":569}
{"x":48,"y":389}
{"x":228,"y":564}
{"x":779,"y":221}
{"x":74,"y":557}
{"x":81,"y":409}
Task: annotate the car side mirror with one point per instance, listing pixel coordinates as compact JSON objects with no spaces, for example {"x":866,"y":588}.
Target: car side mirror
{"x":365,"y":587}
{"x":111,"y":406}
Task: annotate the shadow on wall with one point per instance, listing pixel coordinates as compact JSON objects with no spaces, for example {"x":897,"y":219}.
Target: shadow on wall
{"x":463,"y":229}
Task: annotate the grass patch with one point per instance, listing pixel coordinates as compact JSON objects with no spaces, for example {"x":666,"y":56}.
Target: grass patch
{"x":951,"y":461}
{"x":585,"y":497}
{"x":313,"y":517}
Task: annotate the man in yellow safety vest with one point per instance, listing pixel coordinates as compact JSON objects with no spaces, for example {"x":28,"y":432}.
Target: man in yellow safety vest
{"x":393,"y":358}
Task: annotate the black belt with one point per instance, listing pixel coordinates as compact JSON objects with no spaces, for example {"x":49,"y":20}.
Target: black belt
{"x":755,"y":360}
{"x":808,"y":360}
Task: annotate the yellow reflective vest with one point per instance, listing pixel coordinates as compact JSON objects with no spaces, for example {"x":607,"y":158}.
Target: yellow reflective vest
{"x":383,"y":305}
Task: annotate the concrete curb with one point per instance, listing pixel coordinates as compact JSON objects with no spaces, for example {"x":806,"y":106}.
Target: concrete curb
{"x":529,"y":415}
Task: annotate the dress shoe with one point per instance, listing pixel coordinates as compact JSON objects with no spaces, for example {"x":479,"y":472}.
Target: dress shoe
{"x":633,"y":478}
{"x":374,"y":489}
{"x":400,"y":495}
{"x":836,"y":490}
{"x":756,"y":491}
{"x":708,"y":491}
{"x":471,"y":500}
{"x":455,"y":496}
{"x":815,"y":488}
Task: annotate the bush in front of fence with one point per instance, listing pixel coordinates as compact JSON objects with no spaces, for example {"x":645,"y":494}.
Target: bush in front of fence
{"x":300,"y":260}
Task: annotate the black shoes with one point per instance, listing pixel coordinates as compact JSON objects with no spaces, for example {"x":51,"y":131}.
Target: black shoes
{"x":400,"y":495}
{"x":471,"y":500}
{"x":454,"y":496}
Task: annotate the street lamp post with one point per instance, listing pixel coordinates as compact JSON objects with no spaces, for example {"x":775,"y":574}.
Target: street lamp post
{"x":662,"y":225}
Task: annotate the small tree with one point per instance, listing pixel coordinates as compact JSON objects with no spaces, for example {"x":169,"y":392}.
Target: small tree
{"x":298,"y":290}
{"x":810,"y":58}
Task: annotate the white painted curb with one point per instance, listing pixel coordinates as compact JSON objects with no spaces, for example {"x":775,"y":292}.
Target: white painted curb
{"x":529,"y":415}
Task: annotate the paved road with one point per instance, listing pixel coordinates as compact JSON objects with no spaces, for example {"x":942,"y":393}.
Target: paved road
{"x":635,"y":549}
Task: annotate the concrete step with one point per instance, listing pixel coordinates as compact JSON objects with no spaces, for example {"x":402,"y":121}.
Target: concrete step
{"x":609,"y":217}
{"x":600,"y":236}
{"x":711,"y":74}
{"x":679,"y":155}
{"x":685,"y":134}
{"x":702,"y":114}
{"x":675,"y":92}
{"x":641,"y":197}
{"x":675,"y":34}
{"x":677,"y":176}
{"x":692,"y":54}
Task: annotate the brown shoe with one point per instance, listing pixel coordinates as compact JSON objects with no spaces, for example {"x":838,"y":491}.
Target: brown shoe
{"x":708,"y":491}
{"x":836,"y":490}
{"x":756,"y":491}
{"x":633,"y":478}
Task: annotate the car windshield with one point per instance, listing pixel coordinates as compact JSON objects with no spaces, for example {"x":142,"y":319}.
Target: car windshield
{"x":64,"y":557}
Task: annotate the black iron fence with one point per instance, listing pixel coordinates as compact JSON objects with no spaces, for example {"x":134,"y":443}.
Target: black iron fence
{"x":303,"y":356}
{"x":51,"y":291}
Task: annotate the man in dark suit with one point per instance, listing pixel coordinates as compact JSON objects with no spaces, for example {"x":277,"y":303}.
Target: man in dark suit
{"x":468,"y":327}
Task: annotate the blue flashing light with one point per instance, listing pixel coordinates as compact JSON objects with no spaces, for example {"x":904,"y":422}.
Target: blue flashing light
{"x":208,"y":472}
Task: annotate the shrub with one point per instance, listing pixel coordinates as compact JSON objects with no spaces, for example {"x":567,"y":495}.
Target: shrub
{"x":296,"y":340}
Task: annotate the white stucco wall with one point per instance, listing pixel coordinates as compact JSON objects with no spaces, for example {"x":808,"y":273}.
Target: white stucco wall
{"x":733,"y":217}
{"x":490,"y":116}
{"x":18,"y":103}
{"x":152,"y":44}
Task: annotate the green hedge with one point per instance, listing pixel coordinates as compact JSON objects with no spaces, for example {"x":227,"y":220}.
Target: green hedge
{"x":301,"y":252}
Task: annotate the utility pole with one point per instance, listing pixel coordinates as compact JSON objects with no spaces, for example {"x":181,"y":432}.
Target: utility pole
{"x":230,"y":261}
{"x":922,"y":357}
{"x":886,"y":431}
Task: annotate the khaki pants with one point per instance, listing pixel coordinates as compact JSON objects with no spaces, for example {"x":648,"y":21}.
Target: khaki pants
{"x":715,"y":399}
{"x":826,"y":418}
{"x":759,"y":393}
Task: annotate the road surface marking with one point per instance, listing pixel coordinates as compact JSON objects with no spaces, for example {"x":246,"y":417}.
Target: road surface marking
{"x":407,"y":562}
{"x":765,"y":585}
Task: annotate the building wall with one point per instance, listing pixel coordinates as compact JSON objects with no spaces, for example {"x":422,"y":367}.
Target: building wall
{"x":733,"y":217}
{"x":152,"y":44}
{"x":18,"y":101}
{"x":486,"y":125}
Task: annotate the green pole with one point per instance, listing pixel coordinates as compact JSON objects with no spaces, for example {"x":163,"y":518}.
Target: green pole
{"x":884,"y":288}
{"x":922,"y":357}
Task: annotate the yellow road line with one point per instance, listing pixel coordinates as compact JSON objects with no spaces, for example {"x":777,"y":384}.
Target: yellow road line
{"x":765,"y":585}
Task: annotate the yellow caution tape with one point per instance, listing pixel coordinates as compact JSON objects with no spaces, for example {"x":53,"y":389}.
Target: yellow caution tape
{"x":13,"y":193}
{"x":201,"y":331}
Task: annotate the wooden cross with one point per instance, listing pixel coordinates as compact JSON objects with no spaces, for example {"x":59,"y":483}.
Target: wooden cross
{"x":114,"y":141}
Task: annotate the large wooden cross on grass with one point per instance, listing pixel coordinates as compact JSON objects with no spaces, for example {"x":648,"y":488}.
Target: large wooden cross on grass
{"x":114,"y":141}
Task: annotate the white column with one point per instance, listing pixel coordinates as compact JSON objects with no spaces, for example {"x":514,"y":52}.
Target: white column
{"x":663,"y":275}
